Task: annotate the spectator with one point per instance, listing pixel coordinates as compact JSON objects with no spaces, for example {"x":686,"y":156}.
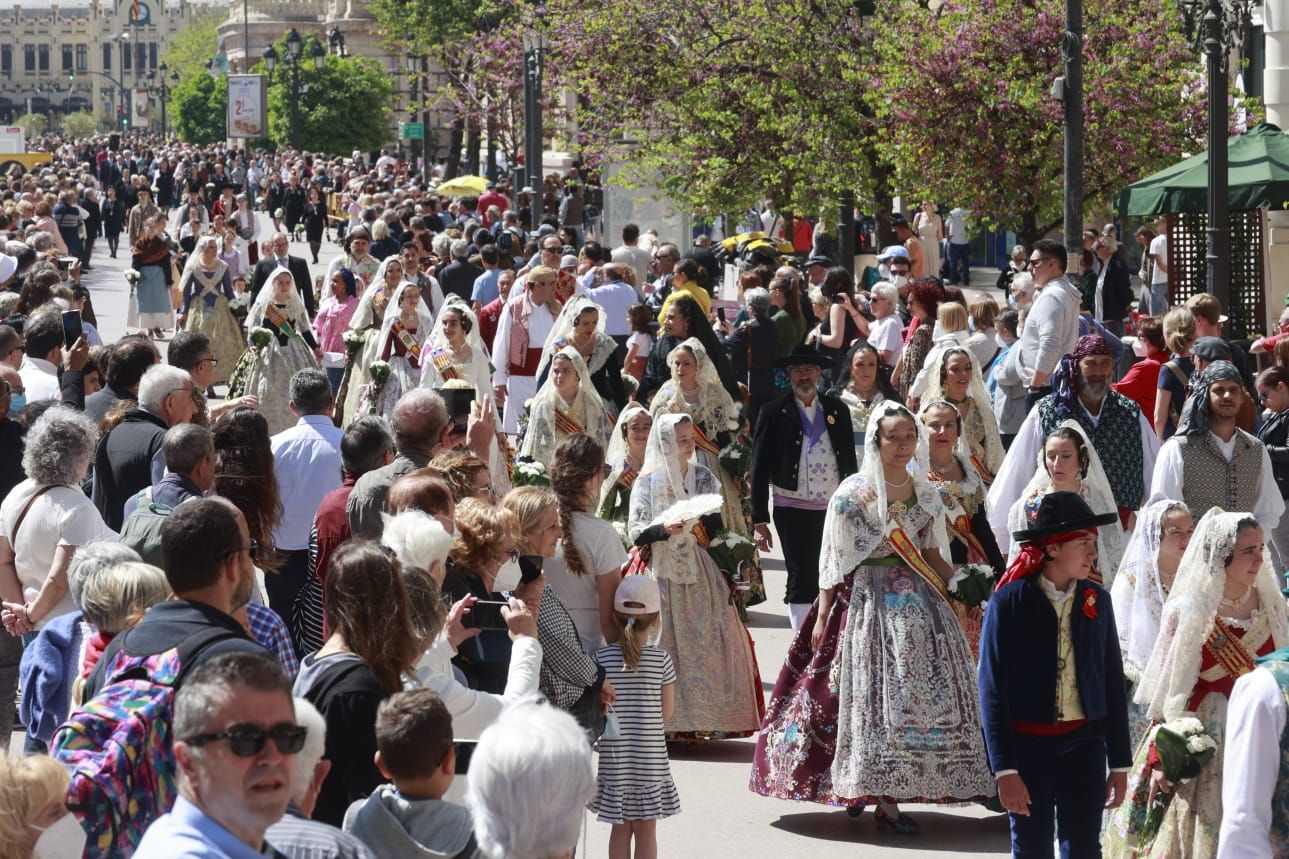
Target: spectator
{"x":632,"y":254}
{"x":295,"y":835}
{"x":48,"y":371}
{"x":306,"y":459}
{"x":246,"y":475}
{"x":189,"y":452}
{"x":190,"y":350}
{"x":1273,"y":388}
{"x":414,"y":733}
{"x":753,"y":348}
{"x":425,"y":491}
{"x":617,"y":298}
{"x":372,"y":644}
{"x":114,"y":589}
{"x":209,"y":563}
{"x":1052,"y":327}
{"x":516,"y":814}
{"x":1008,"y":391}
{"x":235,"y":740}
{"x":886,"y":332}
{"x":13,"y":399}
{"x":458,"y":276}
{"x":925,"y":296}
{"x":34,"y":820}
{"x":465,"y":474}
{"x":127,"y":458}
{"x":128,"y":360}
{"x":485,"y":289}
{"x":1139,"y":384}
{"x":1175,"y":373}
{"x":982,"y":343}
{"x":688,"y":278}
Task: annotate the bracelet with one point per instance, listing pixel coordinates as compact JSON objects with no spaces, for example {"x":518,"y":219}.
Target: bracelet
{"x":26,"y":616}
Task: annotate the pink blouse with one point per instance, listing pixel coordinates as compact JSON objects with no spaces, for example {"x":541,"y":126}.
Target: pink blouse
{"x":332,"y":320}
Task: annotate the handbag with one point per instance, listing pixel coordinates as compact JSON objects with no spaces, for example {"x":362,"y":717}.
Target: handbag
{"x":588,"y":710}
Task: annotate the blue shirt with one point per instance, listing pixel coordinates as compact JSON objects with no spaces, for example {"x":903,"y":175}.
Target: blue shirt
{"x":485,"y":287}
{"x":187,"y":832}
{"x":306,"y":459}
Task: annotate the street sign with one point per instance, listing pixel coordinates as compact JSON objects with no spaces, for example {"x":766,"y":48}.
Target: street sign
{"x":247,"y":106}
{"x":411,"y":131}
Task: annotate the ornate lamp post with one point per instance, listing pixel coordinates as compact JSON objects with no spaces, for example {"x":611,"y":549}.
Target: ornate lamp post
{"x":534,"y":57}
{"x":294,"y":48}
{"x":163,"y":91}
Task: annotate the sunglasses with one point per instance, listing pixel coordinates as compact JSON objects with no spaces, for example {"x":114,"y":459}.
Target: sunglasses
{"x":252,"y":548}
{"x":1037,"y":261}
{"x":246,"y":741}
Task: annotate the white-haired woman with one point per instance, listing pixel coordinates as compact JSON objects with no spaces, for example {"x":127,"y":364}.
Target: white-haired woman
{"x":291,"y":348}
{"x":516,"y":813}
{"x":42,"y":522}
{"x":1225,"y":610}
{"x":206,"y":287}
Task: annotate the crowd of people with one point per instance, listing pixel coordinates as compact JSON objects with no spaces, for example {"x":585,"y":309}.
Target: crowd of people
{"x":489,"y":498}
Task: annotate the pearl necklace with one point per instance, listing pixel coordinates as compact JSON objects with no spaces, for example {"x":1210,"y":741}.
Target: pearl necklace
{"x":893,"y":485}
{"x":1235,"y":604}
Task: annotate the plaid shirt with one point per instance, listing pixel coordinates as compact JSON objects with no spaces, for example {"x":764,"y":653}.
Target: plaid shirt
{"x":567,"y":672}
{"x":269,"y":630}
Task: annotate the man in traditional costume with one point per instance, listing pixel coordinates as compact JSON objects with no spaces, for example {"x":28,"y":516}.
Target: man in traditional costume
{"x":1255,"y":783}
{"x":522,"y":328}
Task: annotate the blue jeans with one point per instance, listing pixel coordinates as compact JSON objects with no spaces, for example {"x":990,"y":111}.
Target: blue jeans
{"x":960,"y":258}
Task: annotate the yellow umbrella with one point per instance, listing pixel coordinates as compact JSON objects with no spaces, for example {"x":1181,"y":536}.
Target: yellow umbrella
{"x":462,"y":186}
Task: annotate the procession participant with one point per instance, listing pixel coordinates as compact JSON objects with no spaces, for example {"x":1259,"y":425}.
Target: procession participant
{"x":625,"y":458}
{"x":366,"y":321}
{"x":565,"y":405}
{"x":1253,"y":797}
{"x":1224,"y":610}
{"x":150,"y":257}
{"x":1211,"y":462}
{"x":139,"y":216}
{"x":954,"y":375}
{"x":718,"y":693}
{"x":876,"y":700}
{"x":290,"y":349}
{"x":207,"y":289}
{"x":1052,"y":722}
{"x":865,"y":382}
{"x":400,"y":343}
{"x":682,"y":321}
{"x":580,"y":324}
{"x":526,"y":320}
{"x":1120,"y":434}
{"x":356,"y":258}
{"x":804,"y":447}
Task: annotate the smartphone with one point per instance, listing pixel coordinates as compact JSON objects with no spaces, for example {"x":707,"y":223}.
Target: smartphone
{"x":720,"y":313}
{"x":486,"y":614}
{"x":72,"y":328}
{"x":458,"y":401}
{"x":64,"y":263}
{"x":530,"y":567}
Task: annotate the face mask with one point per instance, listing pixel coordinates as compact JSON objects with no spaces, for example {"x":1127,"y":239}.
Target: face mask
{"x":64,"y":840}
{"x":971,"y":325}
{"x":1001,"y":343}
{"x":17,"y":402}
{"x":1139,"y":347}
{"x":1011,"y":300}
{"x":508,"y":577}
{"x":900,"y":281}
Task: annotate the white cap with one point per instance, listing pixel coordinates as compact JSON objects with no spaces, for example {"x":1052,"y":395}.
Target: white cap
{"x":8,"y":265}
{"x":637,"y":594}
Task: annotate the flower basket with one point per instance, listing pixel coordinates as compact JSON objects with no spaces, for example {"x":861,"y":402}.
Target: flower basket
{"x":972,"y":584}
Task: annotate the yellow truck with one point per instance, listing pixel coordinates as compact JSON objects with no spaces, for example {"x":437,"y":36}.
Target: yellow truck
{"x":14,"y":154}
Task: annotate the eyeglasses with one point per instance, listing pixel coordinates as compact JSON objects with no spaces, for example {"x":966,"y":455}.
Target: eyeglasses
{"x":252,"y":548}
{"x":246,"y":740}
{"x":1033,"y":261}
{"x":211,"y":361}
{"x":552,"y":249}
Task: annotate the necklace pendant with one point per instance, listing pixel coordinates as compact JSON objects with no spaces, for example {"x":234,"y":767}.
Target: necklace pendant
{"x":897,"y":508}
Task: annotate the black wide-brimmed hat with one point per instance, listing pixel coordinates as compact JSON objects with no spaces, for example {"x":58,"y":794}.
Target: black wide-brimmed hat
{"x":1061,"y":513}
{"x":802,"y":356}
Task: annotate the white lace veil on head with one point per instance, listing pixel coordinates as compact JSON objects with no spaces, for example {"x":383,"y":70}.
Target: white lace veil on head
{"x":587,"y":409}
{"x":425,"y":320}
{"x":562,"y":330}
{"x":982,"y":403}
{"x":295,"y":308}
{"x":715,"y":408}
{"x":618,"y":448}
{"x":1137,"y":593}
{"x":194,"y":259}
{"x":456,"y":304}
{"x":1168,"y":679}
{"x":676,"y":558}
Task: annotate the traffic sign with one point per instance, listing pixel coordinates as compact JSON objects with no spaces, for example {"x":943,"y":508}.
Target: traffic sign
{"x":411,"y":131}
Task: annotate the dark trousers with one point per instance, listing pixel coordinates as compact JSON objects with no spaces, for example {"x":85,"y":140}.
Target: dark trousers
{"x":1033,"y":397}
{"x":1066,"y":780}
{"x":959,"y":264}
{"x":801,"y":534}
{"x":284,"y":585}
{"x":112,"y":242}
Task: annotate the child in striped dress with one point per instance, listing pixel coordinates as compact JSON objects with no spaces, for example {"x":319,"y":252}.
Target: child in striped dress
{"x":635,"y":787}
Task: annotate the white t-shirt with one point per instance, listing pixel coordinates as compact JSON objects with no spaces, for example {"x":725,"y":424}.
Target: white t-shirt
{"x":1159,"y":245}
{"x":602,"y":555}
{"x":63,"y":516}
{"x":885,"y":335}
{"x":643,"y":343}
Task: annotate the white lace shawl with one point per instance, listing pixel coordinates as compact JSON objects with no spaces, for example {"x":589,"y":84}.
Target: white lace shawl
{"x":1137,"y":593}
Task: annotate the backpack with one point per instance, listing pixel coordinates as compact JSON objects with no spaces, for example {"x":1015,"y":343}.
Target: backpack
{"x":142,"y":530}
{"x":117,"y":746}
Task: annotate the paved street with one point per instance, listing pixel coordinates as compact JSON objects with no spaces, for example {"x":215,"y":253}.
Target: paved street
{"x":720,"y":817}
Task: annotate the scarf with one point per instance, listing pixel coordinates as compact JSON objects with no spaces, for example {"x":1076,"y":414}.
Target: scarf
{"x":1195,"y":416}
{"x":151,"y":251}
{"x":1065,"y":381}
{"x":813,"y":430}
{"x":1030,"y":557}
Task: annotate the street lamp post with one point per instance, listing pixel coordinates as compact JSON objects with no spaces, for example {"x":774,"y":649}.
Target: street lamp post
{"x":163,"y":91}
{"x":534,"y":56}
{"x":419,"y":91}
{"x":294,"y":47}
{"x":1217,"y":27}
{"x":1072,"y":54}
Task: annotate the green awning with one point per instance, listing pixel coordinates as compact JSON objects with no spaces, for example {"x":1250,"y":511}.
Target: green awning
{"x":1257,"y":176}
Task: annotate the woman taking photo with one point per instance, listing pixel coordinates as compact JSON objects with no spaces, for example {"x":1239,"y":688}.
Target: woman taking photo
{"x":863,"y":385}
{"x":581,"y":325}
{"x":1225,"y":610}
{"x":566,"y":404}
{"x":206,"y":288}
{"x":625,"y":458}
{"x":372,"y":643}
{"x":841,"y":324}
{"x":881,"y":664}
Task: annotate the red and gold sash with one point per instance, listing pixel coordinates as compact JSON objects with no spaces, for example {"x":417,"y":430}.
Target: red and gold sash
{"x":962,"y":525}
{"x":1224,"y":645}
{"x":405,"y":337}
{"x":628,"y":477}
{"x":703,"y":442}
{"x":278,"y":318}
{"x":443,"y":363}
{"x":908,"y":552}
{"x":701,"y":536}
{"x":985,"y":474}
{"x":565,"y":424}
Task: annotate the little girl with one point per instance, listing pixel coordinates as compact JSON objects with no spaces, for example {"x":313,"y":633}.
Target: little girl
{"x":640,"y":343}
{"x":635,"y":786}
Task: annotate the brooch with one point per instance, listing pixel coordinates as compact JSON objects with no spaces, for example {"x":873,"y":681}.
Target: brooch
{"x":1090,"y":605}
{"x":831,"y":420}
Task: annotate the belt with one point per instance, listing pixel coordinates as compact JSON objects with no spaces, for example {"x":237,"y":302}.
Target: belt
{"x":1048,"y":729}
{"x":887,"y":561}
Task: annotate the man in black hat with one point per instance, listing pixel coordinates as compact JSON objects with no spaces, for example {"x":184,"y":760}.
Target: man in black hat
{"x":804,"y":446}
{"x":1053,"y":705}
{"x":817,"y":269}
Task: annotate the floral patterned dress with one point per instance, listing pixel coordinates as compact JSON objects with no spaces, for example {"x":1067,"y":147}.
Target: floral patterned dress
{"x":887,"y":707}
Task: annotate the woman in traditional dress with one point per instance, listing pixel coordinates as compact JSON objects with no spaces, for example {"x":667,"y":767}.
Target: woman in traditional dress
{"x":1225,"y":609}
{"x":864,"y":383}
{"x":403,"y":331}
{"x":581,"y":325}
{"x":625,"y":458}
{"x":566,"y":404}
{"x":206,"y":288}
{"x":292,"y":348}
{"x":367,"y":321}
{"x":718,"y":690}
{"x":695,"y":389}
{"x":1069,"y":463}
{"x":1145,"y":576}
{"x":150,"y":257}
{"x":929,"y":227}
{"x":953,"y":375}
{"x":876,"y":702}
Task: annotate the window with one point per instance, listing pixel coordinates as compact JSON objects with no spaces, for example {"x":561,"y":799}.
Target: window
{"x":152,"y":55}
{"x":67,"y":58}
{"x":83,"y":58}
{"x":29,"y":58}
{"x":6,"y":60}
{"x":141,"y":56}
{"x":107,"y":56}
{"x":126,"y":57}
{"x":43,"y":53}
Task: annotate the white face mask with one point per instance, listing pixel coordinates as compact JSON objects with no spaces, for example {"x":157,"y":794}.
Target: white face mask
{"x":1139,"y":347}
{"x":899,"y":281}
{"x":1000,"y":341}
{"x":508,"y":577}
{"x":63,"y":840}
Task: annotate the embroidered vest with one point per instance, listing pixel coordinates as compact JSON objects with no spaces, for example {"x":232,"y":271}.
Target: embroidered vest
{"x":1279,"y":835}
{"x":1211,"y":481}
{"x":1117,"y":439}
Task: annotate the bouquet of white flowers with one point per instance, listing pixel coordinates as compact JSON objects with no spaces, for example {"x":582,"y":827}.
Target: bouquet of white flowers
{"x":353,"y":341}
{"x":530,"y":473}
{"x":972,"y":584}
{"x":735,"y":459}
{"x":261,"y":337}
{"x":1179,"y":749}
{"x":131,"y":276}
{"x":734,"y":555}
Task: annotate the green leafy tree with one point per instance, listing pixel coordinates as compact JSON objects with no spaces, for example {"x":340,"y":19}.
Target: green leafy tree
{"x":200,"y":109}
{"x":80,"y":124}
{"x":193,"y":47}
{"x":33,"y":124}
{"x":347,"y":104}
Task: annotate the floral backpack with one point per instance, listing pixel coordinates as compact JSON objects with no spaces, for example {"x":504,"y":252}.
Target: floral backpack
{"x":117,"y":747}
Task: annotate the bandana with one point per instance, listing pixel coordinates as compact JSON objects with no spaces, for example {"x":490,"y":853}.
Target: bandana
{"x":1065,"y":381}
{"x":1195,"y":416}
{"x":351,"y":284}
{"x":1030,"y":557}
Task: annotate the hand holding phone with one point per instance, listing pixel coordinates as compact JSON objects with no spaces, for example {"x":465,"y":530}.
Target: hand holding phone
{"x":72,"y":328}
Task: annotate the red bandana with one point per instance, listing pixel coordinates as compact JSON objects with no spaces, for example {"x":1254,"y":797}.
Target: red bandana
{"x":1030,"y":557}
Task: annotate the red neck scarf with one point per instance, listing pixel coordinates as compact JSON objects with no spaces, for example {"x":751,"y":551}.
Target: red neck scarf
{"x":1030,"y":558}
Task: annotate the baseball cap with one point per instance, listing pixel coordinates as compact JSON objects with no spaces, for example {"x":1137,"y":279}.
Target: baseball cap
{"x":568,"y":261}
{"x":637,"y":594}
{"x":891,"y":252}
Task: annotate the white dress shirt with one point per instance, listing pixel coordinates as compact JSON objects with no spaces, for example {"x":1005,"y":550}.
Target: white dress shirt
{"x":1255,"y":720}
{"x":40,"y":378}
{"x":306,"y":458}
{"x":1268,"y":506}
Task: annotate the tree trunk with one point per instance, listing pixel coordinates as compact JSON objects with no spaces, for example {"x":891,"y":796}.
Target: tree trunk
{"x":1029,"y":231}
{"x":453,"y":167}
{"x":473,"y":140}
